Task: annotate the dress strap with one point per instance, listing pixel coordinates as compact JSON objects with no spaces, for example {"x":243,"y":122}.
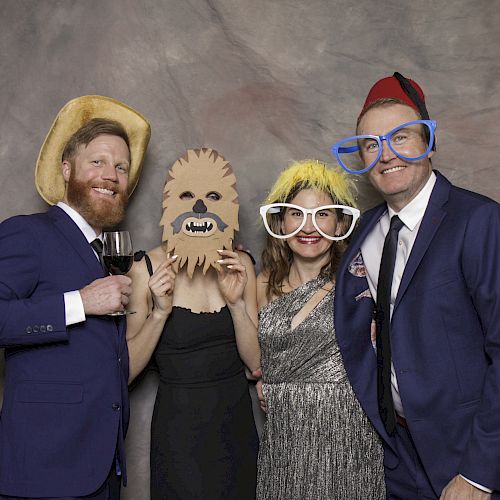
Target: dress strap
{"x":138,"y":257}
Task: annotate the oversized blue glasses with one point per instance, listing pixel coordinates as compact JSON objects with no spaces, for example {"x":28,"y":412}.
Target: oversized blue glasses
{"x":405,"y":141}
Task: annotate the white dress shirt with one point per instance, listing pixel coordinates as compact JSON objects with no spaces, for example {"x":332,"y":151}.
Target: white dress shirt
{"x":73,"y":304}
{"x":371,"y":249}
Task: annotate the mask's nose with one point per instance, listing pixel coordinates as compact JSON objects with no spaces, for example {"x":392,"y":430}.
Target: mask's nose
{"x":199,"y":207}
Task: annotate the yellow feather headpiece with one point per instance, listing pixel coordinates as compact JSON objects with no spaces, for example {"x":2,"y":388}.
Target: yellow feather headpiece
{"x":313,"y":174}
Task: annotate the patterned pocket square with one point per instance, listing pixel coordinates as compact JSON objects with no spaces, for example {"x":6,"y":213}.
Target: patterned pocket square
{"x":357,"y":266}
{"x":365,"y":294}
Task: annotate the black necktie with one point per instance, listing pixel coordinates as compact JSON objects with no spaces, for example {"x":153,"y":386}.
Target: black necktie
{"x":97,"y":246}
{"x":385,"y":402}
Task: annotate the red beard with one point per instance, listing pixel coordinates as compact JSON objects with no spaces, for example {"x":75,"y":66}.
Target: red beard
{"x":99,"y":213}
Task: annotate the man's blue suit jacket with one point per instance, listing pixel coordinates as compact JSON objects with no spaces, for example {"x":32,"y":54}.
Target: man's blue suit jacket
{"x":65,"y":409}
{"x":445,"y":336}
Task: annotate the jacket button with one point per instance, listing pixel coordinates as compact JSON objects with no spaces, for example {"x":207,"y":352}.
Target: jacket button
{"x":29,"y":329}
{"x":42,"y":328}
{"x":35,"y":329}
{"x":115,"y":406}
{"x":50,"y":328}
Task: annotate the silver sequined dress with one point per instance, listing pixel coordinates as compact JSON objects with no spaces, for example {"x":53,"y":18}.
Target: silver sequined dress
{"x":317,"y":442}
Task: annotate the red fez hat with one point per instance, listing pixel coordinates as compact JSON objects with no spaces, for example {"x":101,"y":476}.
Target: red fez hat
{"x":392,"y":87}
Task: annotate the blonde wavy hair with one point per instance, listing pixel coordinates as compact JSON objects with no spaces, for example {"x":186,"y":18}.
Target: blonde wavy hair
{"x":277,"y":257}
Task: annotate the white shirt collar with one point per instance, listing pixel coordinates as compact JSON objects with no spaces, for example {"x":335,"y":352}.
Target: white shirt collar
{"x":83,"y":225}
{"x":412,"y":213}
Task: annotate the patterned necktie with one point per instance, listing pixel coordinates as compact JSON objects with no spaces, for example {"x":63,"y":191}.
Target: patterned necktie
{"x":97,"y":246}
{"x":385,"y":402}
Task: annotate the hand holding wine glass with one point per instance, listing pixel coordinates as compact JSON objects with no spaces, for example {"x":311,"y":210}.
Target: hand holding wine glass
{"x":118,"y":255}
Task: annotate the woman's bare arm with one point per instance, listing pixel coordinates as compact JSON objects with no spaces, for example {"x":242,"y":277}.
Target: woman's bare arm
{"x":145,"y":327}
{"x":237,"y":283}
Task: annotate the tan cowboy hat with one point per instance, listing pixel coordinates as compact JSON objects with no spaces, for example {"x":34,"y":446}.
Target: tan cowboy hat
{"x":76,"y":113}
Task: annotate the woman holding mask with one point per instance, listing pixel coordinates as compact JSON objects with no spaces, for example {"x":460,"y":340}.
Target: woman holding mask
{"x":317,"y":441}
{"x":196,"y":310}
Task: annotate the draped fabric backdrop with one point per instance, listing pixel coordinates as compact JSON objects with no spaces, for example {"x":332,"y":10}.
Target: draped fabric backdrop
{"x":264,"y":82}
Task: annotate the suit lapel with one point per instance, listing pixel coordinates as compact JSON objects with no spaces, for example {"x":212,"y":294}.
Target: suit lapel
{"x":73,"y":235}
{"x":351,"y":284}
{"x":434,"y":215}
{"x":368,"y":220}
{"x":353,"y":312}
{"x":367,"y":223}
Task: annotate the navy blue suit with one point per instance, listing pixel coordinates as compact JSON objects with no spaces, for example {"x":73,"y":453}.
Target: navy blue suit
{"x":65,"y":410}
{"x":445,"y":336}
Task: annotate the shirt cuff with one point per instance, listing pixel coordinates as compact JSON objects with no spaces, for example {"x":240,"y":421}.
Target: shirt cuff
{"x":478,"y":486}
{"x":73,"y":307}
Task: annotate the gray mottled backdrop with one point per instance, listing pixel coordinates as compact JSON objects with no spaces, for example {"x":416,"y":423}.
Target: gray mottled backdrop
{"x":262,"y":81}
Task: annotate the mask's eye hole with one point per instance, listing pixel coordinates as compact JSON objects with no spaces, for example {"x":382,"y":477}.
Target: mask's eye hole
{"x":186,"y":195}
{"x":214,"y":196}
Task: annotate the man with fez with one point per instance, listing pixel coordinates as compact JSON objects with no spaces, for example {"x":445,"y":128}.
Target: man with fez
{"x":65,"y":410}
{"x":425,"y":265}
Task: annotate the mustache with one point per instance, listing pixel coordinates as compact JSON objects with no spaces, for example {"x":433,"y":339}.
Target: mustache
{"x":179,"y":220}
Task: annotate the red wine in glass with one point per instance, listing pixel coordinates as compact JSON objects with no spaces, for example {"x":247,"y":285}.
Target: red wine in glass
{"x":118,"y":264}
{"x":117,"y":255}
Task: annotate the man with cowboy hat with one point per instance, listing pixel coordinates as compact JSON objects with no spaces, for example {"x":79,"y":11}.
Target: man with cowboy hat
{"x":425,"y":266}
{"x":65,"y":410}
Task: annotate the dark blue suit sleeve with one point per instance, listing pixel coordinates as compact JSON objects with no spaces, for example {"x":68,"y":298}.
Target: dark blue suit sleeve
{"x":481,"y":269}
{"x":31,"y":313}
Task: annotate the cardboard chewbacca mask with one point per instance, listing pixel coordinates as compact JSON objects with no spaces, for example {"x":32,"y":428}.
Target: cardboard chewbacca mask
{"x":200,"y":209}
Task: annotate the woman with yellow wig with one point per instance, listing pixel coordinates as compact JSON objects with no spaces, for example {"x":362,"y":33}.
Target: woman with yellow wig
{"x":317,"y":441}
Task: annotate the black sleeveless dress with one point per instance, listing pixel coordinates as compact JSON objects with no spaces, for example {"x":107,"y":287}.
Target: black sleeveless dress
{"x":204,"y":442}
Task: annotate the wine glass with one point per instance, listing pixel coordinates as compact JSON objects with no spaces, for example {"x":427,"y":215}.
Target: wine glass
{"x":117,"y":255}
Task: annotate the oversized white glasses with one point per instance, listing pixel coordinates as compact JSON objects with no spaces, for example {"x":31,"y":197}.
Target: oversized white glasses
{"x":333,"y":222}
